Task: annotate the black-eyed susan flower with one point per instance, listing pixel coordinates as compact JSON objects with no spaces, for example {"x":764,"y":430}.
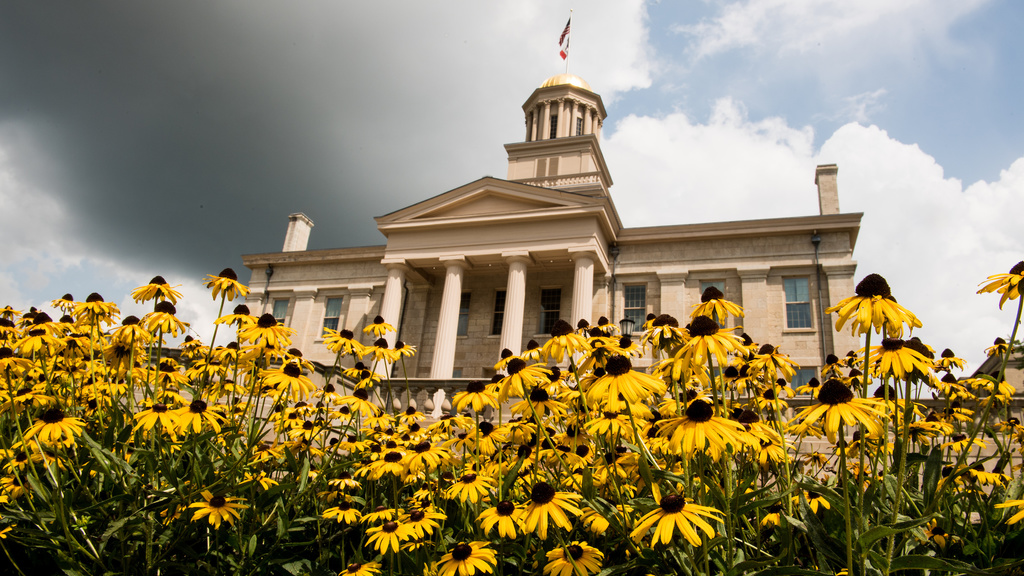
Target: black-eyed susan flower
{"x":193,"y":417}
{"x":361,"y":569}
{"x":948,"y":361}
{"x":217,"y":509}
{"x":998,"y":348}
{"x":55,"y":427}
{"x":240,"y":317}
{"x":95,"y":311}
{"x":1008,"y":285}
{"x":714,"y":305}
{"x":425,"y":456}
{"x":342,"y":342}
{"x":575,"y":559}
{"x":564,"y":340}
{"x":476,"y":396}
{"x":387,"y":537}
{"x":815,"y":500}
{"x":359,"y":401}
{"x":506,"y":516}
{"x":471,"y":487}
{"x":895,"y":359}
{"x":772,"y":362}
{"x":379,"y":328}
{"x":548,"y":505}
{"x":836,"y":403}
{"x":163,"y":319}
{"x":423,"y":522}
{"x":706,"y":340}
{"x":226,"y":283}
{"x":699,"y":430}
{"x":467,"y":559}
{"x":521,"y":377}
{"x":676,"y":513}
{"x":289,"y":379}
{"x":873,"y":307}
{"x":158,"y":413}
{"x":621,"y":379}
{"x":343,"y":513}
{"x":157,"y":289}
{"x":267,"y":332}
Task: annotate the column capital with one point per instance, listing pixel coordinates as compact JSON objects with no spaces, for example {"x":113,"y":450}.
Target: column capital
{"x":395,"y":263}
{"x":672,"y":276}
{"x":450,"y":260}
{"x":309,"y":293}
{"x":578,"y":253}
{"x":517,"y":256}
{"x":839,"y":270}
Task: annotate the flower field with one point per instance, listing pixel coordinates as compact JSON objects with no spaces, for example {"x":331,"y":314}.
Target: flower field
{"x":227,"y":458}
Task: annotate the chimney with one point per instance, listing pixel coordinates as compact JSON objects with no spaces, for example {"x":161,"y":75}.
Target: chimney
{"x":828,"y":190}
{"x":297,"y":237}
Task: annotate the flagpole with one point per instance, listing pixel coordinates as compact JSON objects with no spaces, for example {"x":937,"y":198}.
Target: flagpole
{"x":570,"y":42}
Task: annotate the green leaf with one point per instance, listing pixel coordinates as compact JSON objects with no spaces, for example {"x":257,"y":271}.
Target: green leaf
{"x":932,"y":471}
{"x":919,"y":562}
{"x":512,"y":475}
{"x":822,"y":540}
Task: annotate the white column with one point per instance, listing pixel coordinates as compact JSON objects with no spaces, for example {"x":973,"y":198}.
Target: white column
{"x":391,"y":305}
{"x":561,"y":119}
{"x":588,"y":128}
{"x":545,"y":122}
{"x":448,"y":319}
{"x":515,"y":303}
{"x":582,"y":287}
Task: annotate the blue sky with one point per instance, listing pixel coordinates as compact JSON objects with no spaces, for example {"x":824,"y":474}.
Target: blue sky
{"x":170,"y":139}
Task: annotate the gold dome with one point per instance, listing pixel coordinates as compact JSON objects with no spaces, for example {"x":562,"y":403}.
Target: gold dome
{"x":570,"y":79}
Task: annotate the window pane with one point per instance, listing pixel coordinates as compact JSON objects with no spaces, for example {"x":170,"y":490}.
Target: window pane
{"x":332,"y":312}
{"x":554,"y":127}
{"x":550,"y":301}
{"x":796,"y":290}
{"x":463,"y":327}
{"x":635,"y":307}
{"x":803,"y":376}
{"x":499,"y":312}
{"x":798,"y":315}
{"x":280,"y":309}
{"x":705,"y":284}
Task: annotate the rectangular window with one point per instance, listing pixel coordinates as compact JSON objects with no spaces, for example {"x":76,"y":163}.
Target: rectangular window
{"x":803,"y":376}
{"x":463,"y":328}
{"x":499,"y":312}
{"x":542,"y":167}
{"x":280,"y":310}
{"x":720,"y":284}
{"x":550,"y":302}
{"x":332,"y":313}
{"x":635,"y":307}
{"x":798,"y":303}
{"x":579,"y":126}
{"x":554,"y":127}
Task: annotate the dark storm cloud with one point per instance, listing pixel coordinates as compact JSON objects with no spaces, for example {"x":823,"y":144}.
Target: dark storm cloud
{"x":186,"y":132}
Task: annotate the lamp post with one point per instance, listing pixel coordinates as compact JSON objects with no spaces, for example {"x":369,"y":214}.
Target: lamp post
{"x":627,"y":325}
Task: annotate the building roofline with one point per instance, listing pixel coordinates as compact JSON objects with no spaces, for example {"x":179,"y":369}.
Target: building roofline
{"x":732,"y":229}
{"x":368,"y":253}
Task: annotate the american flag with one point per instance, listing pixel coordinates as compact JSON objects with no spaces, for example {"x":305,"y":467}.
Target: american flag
{"x":563,"y":40}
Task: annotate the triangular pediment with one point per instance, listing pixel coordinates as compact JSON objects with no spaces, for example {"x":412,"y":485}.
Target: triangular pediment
{"x":488,"y":198}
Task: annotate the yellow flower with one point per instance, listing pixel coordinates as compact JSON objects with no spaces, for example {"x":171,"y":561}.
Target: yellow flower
{"x":506,"y":516}
{"x":547,"y":505}
{"x":193,"y":416}
{"x":707,"y":340}
{"x":564,"y":340}
{"x":471,"y":487}
{"x":576,"y":559}
{"x":387,"y":536}
{"x":226,"y":283}
{"x":364,"y":569}
{"x":94,"y":311}
{"x":714,"y":305}
{"x":162,"y":318}
{"x":873,"y":307}
{"x":53,"y":427}
{"x":156,"y":289}
{"x":899,"y":359}
{"x":621,"y":379}
{"x":835,"y":403}
{"x":467,"y":559}
{"x":1006,"y":284}
{"x":343,"y":512}
{"x":157,"y":413}
{"x":476,"y":396}
{"x":217,"y":509}
{"x":379,"y":328}
{"x":1020,"y":512}
{"x":675,"y":512}
{"x":698,"y":429}
{"x":268,"y":333}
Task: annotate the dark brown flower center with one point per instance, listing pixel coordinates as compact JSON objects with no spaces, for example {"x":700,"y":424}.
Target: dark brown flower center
{"x":748,"y":417}
{"x":417,"y":515}
{"x":468,"y":478}
{"x":539,"y":395}
{"x":575,"y":551}
{"x":218,"y":502}
{"x":130,"y":321}
{"x":52,"y":416}
{"x":1018,"y":268}
{"x":164,"y":307}
{"x":159,"y":408}
{"x":389,"y":527}
{"x":711,"y":293}
{"x":699,"y":411}
{"x":703,"y":326}
{"x":228,"y":273}
{"x":618,"y":365}
{"x":197,"y":407}
{"x":267,"y":321}
{"x":461,"y":552}
{"x":833,"y":392}
{"x":94,"y":297}
{"x":561,"y":328}
{"x":665,"y":320}
{"x":505,"y":508}
{"x":542,"y":493}
{"x":766,"y":349}
{"x":515,"y":365}
{"x":672,"y":503}
{"x":476,"y":387}
{"x":873,"y":285}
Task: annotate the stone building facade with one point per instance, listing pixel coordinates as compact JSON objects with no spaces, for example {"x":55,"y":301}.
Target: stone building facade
{"x":491,"y":264}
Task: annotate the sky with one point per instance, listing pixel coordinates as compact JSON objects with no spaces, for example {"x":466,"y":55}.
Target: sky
{"x":170,"y":138}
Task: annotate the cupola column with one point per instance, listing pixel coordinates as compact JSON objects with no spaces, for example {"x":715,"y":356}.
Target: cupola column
{"x":515,"y":302}
{"x":588,"y":127}
{"x":448,"y":320}
{"x":545,"y":120}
